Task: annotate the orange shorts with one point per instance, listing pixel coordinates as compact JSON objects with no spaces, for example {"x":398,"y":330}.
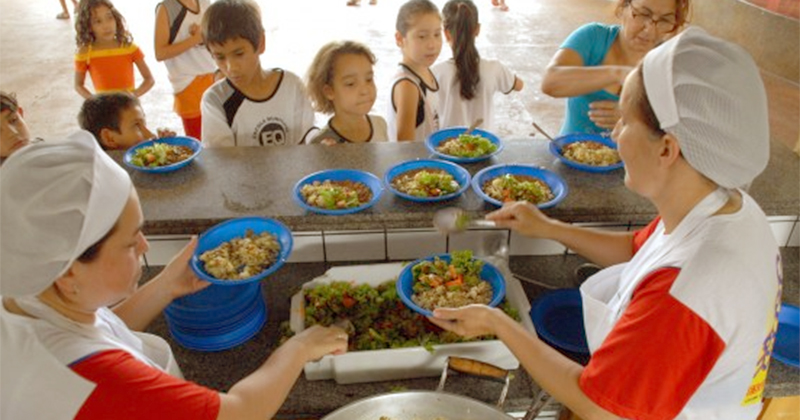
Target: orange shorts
{"x":187,"y":102}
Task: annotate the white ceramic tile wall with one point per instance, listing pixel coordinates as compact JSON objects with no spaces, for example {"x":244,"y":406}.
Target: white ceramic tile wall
{"x":794,"y":238}
{"x":523,"y":245}
{"x":355,"y":246}
{"x":412,"y":244}
{"x":782,"y":229}
{"x":164,"y":247}
{"x":307,"y":247}
{"x":479,"y":241}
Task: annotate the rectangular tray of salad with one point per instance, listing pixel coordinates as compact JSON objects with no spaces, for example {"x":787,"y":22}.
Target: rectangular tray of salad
{"x":421,"y":356}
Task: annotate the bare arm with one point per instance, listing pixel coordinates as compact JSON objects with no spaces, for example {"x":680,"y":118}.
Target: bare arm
{"x":176,"y":280}
{"x":406,"y":97}
{"x":148,"y":81}
{"x":601,"y":247}
{"x":518,"y":84}
{"x":261,"y":394}
{"x":80,"y":80}
{"x":164,"y":50}
{"x":567,"y":76}
{"x":555,"y":373}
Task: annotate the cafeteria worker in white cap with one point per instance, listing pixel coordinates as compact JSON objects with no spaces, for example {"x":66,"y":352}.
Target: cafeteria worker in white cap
{"x":70,"y":250}
{"x":680,"y":324}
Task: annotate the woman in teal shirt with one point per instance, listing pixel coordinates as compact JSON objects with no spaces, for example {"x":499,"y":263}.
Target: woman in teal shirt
{"x":591,"y":64}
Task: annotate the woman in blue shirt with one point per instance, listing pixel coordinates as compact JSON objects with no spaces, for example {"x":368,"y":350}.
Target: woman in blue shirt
{"x":591,"y":64}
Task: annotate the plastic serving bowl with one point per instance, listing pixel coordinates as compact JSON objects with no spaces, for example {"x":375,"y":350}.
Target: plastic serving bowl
{"x":174,"y":141}
{"x":553,"y":180}
{"x":405,"y":283}
{"x":558,"y":144}
{"x":433,"y":141}
{"x":365,"y":178}
{"x":558,"y":318}
{"x":237,"y":228}
{"x":460,"y":175}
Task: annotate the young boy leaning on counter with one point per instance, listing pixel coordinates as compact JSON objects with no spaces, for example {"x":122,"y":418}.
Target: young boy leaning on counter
{"x":117,"y":121}
{"x":14,"y":133}
{"x":251,"y":106}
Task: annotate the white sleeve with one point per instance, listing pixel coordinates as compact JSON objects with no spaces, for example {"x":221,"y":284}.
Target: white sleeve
{"x":215,"y":131}
{"x":505,"y":78}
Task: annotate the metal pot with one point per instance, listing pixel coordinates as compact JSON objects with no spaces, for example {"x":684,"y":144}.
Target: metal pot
{"x":422,"y":405}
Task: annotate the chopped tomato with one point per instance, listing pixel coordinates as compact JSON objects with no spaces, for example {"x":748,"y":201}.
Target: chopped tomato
{"x":348,"y":302}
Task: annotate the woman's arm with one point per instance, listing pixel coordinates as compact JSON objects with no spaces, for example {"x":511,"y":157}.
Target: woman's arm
{"x":261,"y":394}
{"x":555,"y":373}
{"x":164,"y":50}
{"x":174,"y":281}
{"x":148,"y":81}
{"x":80,"y":79}
{"x":406,"y":98}
{"x":601,"y":247}
{"x":567,"y":76}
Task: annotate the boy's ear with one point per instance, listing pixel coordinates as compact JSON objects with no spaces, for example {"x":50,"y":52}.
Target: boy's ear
{"x":398,"y":38}
{"x":261,"y":44}
{"x":107,"y":138}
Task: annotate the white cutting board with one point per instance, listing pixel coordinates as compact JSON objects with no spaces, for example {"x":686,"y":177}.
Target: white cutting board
{"x":405,"y":363}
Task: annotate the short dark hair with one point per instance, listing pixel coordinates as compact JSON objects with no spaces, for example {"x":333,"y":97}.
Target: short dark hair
{"x":8,"y":102}
{"x":104,"y":111}
{"x":91,"y":253}
{"x":225,"y":20}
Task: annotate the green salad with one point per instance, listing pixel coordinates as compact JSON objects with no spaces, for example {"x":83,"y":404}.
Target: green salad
{"x":462,"y":270}
{"x":160,"y":154}
{"x":376,"y":317}
{"x":425,"y":183}
{"x":336,"y":195}
{"x":467,"y":146}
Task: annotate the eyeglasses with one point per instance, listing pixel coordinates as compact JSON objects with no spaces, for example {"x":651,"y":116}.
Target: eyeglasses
{"x":665,"y":23}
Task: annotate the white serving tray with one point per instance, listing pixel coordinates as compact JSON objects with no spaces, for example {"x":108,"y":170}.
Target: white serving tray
{"x":405,"y":363}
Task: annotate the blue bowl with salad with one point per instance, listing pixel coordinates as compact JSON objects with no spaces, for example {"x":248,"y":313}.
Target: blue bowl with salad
{"x":513,"y":182}
{"x":162,"y":155}
{"x":427,"y":180}
{"x":418,"y":285}
{"x":338,"y":191}
{"x":453,"y":145}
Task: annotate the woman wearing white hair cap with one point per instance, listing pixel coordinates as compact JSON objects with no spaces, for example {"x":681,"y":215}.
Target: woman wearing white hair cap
{"x":70,"y":249}
{"x":682,"y":320}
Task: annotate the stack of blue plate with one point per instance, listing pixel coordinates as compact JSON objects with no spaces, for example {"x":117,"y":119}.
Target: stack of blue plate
{"x":217,"y":317}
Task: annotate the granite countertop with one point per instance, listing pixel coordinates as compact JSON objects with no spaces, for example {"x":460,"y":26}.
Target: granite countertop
{"x":224,"y":183}
{"x":220,"y":370}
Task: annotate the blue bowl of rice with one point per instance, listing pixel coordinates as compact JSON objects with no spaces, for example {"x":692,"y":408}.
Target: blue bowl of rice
{"x":137,"y":156}
{"x":338,"y":175}
{"x":460,"y":176}
{"x":557,"y":185}
{"x":437,"y":138}
{"x":558,"y":144}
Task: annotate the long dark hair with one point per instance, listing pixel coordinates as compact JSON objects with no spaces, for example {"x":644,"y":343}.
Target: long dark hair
{"x":461,"y":22}
{"x":83,"y":23}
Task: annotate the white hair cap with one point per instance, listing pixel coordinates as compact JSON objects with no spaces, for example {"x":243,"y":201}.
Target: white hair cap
{"x":57,"y":198}
{"x":708,"y":93}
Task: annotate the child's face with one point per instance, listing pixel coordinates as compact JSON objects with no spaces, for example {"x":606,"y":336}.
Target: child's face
{"x":132,"y":130}
{"x":352,"y":89}
{"x":13,"y":133}
{"x":423,"y":41}
{"x":104,"y":25}
{"x":237,"y":60}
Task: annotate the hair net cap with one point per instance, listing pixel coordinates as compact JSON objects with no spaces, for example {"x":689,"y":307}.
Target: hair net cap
{"x":57,"y":198}
{"x":708,"y":93}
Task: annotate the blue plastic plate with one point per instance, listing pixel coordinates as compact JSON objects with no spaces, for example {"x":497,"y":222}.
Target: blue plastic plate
{"x":174,"y":141}
{"x":560,"y":142}
{"x":553,"y":180}
{"x":366,"y":178}
{"x":237,"y":228}
{"x":558,"y":318}
{"x":787,"y":345}
{"x":460,"y":175}
{"x":405,"y":283}
{"x":433,"y":141}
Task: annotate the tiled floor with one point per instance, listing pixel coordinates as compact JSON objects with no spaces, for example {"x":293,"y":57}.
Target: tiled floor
{"x":37,"y":50}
